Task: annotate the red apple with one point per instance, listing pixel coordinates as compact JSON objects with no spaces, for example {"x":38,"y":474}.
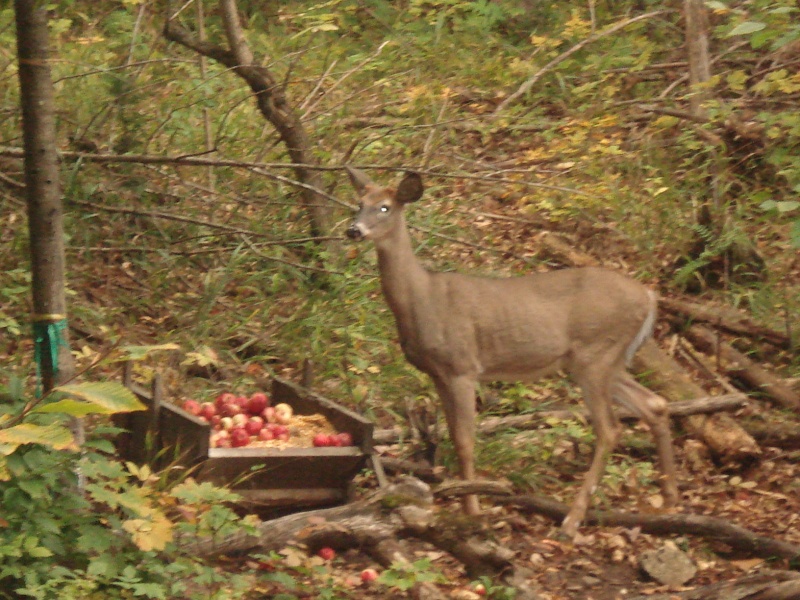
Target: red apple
{"x":230,"y":409}
{"x":257,"y":403}
{"x":283,"y":436}
{"x":241,"y":402}
{"x":207,"y":410}
{"x":326,"y":553}
{"x":369,"y":575}
{"x":226,"y":423}
{"x":220,"y":439}
{"x":278,"y":429}
{"x":223,"y":399}
{"x":265,"y":435}
{"x":239,"y":419}
{"x":192,"y":407}
{"x":254,"y":425}
{"x":322,"y":439}
{"x":239,"y":437}
{"x":479,"y":589}
{"x":215,"y":421}
{"x":344,"y":439}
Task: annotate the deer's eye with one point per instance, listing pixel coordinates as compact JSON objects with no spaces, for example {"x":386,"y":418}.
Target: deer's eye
{"x":384,"y":208}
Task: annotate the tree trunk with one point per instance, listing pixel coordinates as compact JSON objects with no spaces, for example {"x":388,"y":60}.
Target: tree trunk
{"x":714,"y":259}
{"x":697,"y":48}
{"x":43,"y":192}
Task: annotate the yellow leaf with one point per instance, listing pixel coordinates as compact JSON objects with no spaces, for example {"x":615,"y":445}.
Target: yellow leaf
{"x":660,"y":191}
{"x":150,"y":534}
{"x":54,"y":435}
{"x":737,"y":80}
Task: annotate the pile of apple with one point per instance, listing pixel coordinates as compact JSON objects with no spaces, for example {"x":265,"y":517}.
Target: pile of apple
{"x":238,"y":421}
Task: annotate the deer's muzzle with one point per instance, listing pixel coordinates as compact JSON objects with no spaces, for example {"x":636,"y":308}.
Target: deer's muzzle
{"x":354,"y":232}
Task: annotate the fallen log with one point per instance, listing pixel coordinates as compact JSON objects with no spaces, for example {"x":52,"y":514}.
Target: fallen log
{"x":710,"y":528}
{"x":736,"y":364}
{"x":489,"y":425}
{"x":767,"y":585}
{"x":375,"y":525}
{"x":724,"y":318}
{"x":425,"y":473}
{"x":559,"y":247}
{"x":720,"y":432}
{"x":777,"y":434}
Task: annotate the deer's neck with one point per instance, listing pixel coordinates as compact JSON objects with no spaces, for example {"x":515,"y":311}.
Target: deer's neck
{"x":403,"y":278}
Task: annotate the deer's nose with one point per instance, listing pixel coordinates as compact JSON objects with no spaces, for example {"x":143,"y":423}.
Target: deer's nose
{"x":354,"y":232}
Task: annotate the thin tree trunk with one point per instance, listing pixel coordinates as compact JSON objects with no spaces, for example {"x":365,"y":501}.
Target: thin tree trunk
{"x":43,"y":192}
{"x":697,"y":47}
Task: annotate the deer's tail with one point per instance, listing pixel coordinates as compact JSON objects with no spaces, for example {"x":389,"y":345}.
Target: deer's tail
{"x":646,"y":329}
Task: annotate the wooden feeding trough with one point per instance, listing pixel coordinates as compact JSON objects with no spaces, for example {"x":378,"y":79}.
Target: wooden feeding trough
{"x":282,"y":478}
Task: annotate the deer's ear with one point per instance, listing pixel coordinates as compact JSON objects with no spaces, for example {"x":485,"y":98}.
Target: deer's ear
{"x":359,"y":179}
{"x":410,"y":188}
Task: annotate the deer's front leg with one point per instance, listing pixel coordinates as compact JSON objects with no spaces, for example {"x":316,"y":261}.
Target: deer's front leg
{"x":458,"y":399}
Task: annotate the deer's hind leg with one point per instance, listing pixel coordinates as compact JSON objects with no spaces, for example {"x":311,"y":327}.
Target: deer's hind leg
{"x":652,"y":409}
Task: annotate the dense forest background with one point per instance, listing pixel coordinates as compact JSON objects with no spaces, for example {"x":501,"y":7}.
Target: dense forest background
{"x":205,"y":207}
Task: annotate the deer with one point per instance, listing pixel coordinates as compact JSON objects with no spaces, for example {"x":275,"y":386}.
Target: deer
{"x":462,"y":330}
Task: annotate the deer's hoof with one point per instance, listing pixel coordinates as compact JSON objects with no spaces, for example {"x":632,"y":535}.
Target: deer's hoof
{"x":569,"y":527}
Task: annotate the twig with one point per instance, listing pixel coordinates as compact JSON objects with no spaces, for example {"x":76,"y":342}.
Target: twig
{"x":192,"y":161}
{"x":12,"y":182}
{"x":341,"y":80}
{"x":426,"y":150}
{"x":287,"y":262}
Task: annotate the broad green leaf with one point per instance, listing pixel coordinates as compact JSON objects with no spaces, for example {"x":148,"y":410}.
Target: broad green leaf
{"x":107,"y":397}
{"x":746,"y":28}
{"x":73,"y":408}
{"x":54,"y":435}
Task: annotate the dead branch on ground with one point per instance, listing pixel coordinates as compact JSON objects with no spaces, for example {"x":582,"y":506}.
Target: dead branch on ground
{"x":710,"y":528}
{"x":736,"y":364}
{"x":489,"y":425}
{"x":377,"y":525}
{"x":724,"y":318}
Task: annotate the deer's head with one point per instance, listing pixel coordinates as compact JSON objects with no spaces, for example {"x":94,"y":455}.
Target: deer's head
{"x":380,"y":208}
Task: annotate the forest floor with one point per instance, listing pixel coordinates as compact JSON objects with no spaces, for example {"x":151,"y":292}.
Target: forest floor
{"x":761,"y":494}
